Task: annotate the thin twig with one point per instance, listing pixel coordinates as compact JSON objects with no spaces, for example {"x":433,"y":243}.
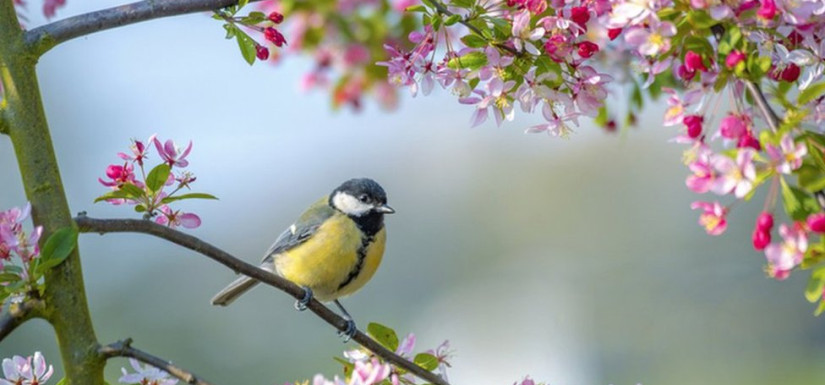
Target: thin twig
{"x":102,"y":226}
{"x":17,"y":315}
{"x":123,"y":348}
{"x":44,"y":38}
{"x":762,"y":103}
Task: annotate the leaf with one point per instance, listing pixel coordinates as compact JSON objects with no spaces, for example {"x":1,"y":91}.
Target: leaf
{"x":9,"y":277}
{"x":471,"y":60}
{"x":187,"y":196}
{"x":474,"y":41}
{"x":59,"y":245}
{"x":820,"y":308}
{"x":158,"y":177}
{"x":426,"y":361}
{"x":63,"y":381}
{"x":384,"y":335}
{"x":813,"y":292}
{"x":416,"y":8}
{"x":247,"y":46}
{"x":798,"y":203}
{"x":126,"y":191}
{"x":813,"y":91}
{"x":452,"y":20}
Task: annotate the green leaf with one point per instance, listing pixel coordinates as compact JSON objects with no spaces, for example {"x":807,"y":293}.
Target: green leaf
{"x":452,"y":20}
{"x":811,"y":178}
{"x":242,"y":3}
{"x":701,"y":19}
{"x":9,"y":277}
{"x":813,"y":292}
{"x":463,"y":3}
{"x":729,"y":42}
{"x":140,"y":208}
{"x":471,"y":60}
{"x":247,"y":47}
{"x":426,"y":361}
{"x":798,"y":203}
{"x":474,"y":41}
{"x":63,"y":381}
{"x":117,"y":194}
{"x":132,"y":190}
{"x":384,"y":335}
{"x":813,"y":91}
{"x":59,"y":245}
{"x":820,"y":308}
{"x":188,"y":196}
{"x":416,"y":8}
{"x":158,"y":177}
{"x":636,"y":98}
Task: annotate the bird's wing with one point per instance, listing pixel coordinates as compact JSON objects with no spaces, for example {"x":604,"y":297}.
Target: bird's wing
{"x":302,"y":229}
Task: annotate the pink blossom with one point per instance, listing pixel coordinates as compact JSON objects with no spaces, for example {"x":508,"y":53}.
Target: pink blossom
{"x":30,"y":370}
{"x":788,"y":156}
{"x":734,"y":58}
{"x":496,"y":64}
{"x":738,"y":177}
{"x":650,"y":41}
{"x":139,"y":151}
{"x":523,"y":35}
{"x":559,"y":46}
{"x":733,"y":126}
{"x":767,"y":10}
{"x":495,"y":98}
{"x":176,"y":218}
{"x":713,"y":217}
{"x":816,"y":222}
{"x":119,"y":175}
{"x":783,"y":257}
{"x":532,"y":90}
{"x":675,"y":113}
{"x":171,"y":154}
{"x":147,"y":374}
{"x":589,"y":90}
{"x":693,"y":62}
{"x":704,"y":176}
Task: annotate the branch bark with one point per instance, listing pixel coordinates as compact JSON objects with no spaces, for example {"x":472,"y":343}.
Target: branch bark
{"x":124,"y":348}
{"x":17,"y":315}
{"x":762,"y":103}
{"x":44,"y":38}
{"x":102,"y":226}
{"x":65,"y":295}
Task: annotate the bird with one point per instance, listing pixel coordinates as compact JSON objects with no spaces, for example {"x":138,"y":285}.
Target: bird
{"x":331,"y":251}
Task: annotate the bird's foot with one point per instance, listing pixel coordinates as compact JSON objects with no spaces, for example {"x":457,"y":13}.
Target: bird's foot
{"x":349,"y":332}
{"x":302,"y":303}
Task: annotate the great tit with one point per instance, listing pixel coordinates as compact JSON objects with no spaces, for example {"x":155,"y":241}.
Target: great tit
{"x":331,"y":251}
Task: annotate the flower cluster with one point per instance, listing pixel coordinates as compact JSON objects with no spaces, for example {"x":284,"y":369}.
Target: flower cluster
{"x":145,"y":375}
{"x":362,"y":367}
{"x":262,"y":23}
{"x":49,"y":8}
{"x":147,"y":192}
{"x":31,"y":370}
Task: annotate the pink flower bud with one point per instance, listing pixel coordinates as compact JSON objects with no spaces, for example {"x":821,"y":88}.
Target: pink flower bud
{"x":767,"y":10}
{"x":276,"y":17}
{"x":580,"y":15}
{"x":262,"y":52}
{"x":816,"y":222}
{"x":765,"y":221}
{"x":748,"y":140}
{"x":693,"y":62}
{"x":274,"y":36}
{"x":734,"y":57}
{"x":795,"y":38}
{"x":790,"y":73}
{"x":114,"y":171}
{"x":732,"y":127}
{"x":694,"y":125}
{"x":613,"y":33}
{"x":761,"y":239}
{"x":586,"y":49}
{"x":685,"y":73}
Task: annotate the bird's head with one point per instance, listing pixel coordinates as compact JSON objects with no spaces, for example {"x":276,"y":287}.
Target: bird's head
{"x":359,"y":197}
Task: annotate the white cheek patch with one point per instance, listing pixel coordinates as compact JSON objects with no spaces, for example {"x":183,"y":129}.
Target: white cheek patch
{"x":350,"y":205}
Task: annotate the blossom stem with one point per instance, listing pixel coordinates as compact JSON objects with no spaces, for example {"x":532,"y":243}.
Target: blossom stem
{"x":18,"y":314}
{"x":91,"y":225}
{"x":43,"y":38}
{"x":123,"y":348}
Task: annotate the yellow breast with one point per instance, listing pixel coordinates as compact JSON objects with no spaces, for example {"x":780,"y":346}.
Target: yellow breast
{"x":336,"y":261}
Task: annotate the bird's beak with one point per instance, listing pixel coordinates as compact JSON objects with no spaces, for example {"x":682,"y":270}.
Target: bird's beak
{"x":384,"y":209}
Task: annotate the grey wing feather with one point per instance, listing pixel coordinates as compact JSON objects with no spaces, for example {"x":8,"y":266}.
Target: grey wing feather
{"x":298,"y":232}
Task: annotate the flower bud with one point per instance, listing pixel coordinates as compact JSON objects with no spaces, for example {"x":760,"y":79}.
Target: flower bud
{"x":734,"y":57}
{"x":765,"y":221}
{"x":748,"y":140}
{"x":816,"y":222}
{"x":761,"y":239}
{"x":694,"y":125}
{"x":693,"y":62}
{"x":732,"y":127}
{"x":262,"y":52}
{"x":586,"y":49}
{"x":613,"y":33}
{"x":276,"y":17}
{"x":767,"y":10}
{"x":274,"y":36}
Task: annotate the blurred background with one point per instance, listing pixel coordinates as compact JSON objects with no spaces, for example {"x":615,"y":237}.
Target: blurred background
{"x":577,"y":262}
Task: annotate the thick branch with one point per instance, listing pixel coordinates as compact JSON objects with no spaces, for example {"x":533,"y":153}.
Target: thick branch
{"x":102,"y":226}
{"x":762,"y":103}
{"x":17,"y":315}
{"x":44,"y":38}
{"x":124,"y":348}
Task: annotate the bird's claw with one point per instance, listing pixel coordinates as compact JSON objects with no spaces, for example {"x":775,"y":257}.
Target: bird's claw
{"x":349,"y":332}
{"x":302,"y":303}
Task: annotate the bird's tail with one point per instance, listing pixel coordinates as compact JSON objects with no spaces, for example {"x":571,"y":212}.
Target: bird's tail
{"x":239,"y":286}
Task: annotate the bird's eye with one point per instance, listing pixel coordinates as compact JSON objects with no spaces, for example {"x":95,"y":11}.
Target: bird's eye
{"x":364,"y":198}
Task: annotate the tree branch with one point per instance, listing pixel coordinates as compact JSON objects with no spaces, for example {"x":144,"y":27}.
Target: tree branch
{"x":44,"y":38}
{"x":18,"y":314}
{"x":762,"y":103}
{"x":102,"y":226}
{"x":124,"y":348}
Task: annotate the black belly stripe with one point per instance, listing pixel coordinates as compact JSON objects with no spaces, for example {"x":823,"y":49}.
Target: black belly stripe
{"x":359,"y":264}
